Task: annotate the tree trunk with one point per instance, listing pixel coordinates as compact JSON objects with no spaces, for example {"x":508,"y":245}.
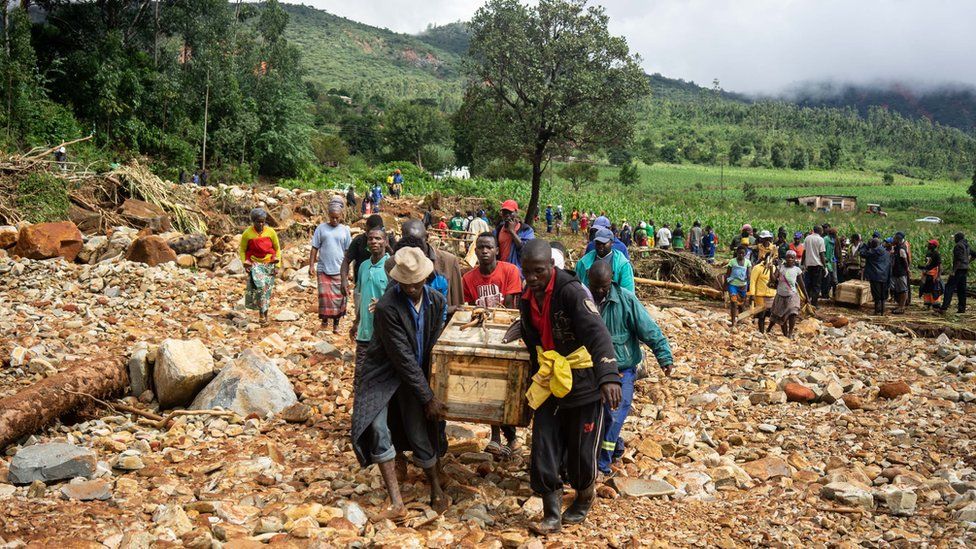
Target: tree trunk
{"x":533,"y":209}
{"x":44,"y":402}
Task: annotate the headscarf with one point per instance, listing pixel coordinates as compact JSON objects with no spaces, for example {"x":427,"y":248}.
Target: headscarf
{"x":258,"y":213}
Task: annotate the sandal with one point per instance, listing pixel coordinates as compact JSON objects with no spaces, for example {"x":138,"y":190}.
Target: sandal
{"x":495,"y":448}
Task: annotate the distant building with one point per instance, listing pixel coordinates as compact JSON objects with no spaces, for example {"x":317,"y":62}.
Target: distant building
{"x":826,"y":202}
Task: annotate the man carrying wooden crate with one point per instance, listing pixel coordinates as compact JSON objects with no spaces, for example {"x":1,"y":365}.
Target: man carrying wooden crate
{"x":629,"y":325}
{"x":575,"y":373}
{"x":394,"y":406}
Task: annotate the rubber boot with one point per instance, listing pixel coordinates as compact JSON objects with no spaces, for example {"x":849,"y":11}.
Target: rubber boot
{"x":581,"y":505}
{"x":552,"y":507}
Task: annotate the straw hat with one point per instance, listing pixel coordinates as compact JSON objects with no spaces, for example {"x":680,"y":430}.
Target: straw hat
{"x":412,"y":266}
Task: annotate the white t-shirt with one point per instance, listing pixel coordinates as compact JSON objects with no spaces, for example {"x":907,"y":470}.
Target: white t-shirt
{"x":813,"y":246}
{"x":664,"y":237}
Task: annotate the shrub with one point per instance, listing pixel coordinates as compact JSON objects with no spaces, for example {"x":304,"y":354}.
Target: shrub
{"x":43,"y":197}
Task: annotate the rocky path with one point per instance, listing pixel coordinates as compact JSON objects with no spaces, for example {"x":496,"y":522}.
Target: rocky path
{"x":844,"y":437}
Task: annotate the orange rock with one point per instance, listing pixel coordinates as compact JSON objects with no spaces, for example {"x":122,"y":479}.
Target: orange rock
{"x":893,"y":390}
{"x":151,"y":250}
{"x":798,"y":393}
{"x":839,"y":321}
{"x":47,"y":240}
{"x":853,"y":402}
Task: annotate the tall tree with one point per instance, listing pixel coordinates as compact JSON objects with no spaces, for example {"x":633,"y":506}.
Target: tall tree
{"x":552,"y":77}
{"x":410,"y":127}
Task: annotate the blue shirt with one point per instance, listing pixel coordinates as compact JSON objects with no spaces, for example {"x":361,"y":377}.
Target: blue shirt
{"x":371,"y":282}
{"x":332,"y":243}
{"x":419,"y":322}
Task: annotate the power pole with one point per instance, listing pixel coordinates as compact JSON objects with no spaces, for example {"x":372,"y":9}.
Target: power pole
{"x":721,"y":178}
{"x":206,"y":112}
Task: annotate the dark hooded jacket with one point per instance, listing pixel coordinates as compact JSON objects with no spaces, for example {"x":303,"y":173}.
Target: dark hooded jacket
{"x":576,"y":322}
{"x":390,"y":366}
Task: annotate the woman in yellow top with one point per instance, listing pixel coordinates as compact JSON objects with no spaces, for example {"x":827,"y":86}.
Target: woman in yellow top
{"x":760,"y":293}
{"x":261,"y":254}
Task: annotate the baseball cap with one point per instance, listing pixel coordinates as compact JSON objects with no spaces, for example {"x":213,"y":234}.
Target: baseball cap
{"x":603,"y":235}
{"x":510,"y":205}
{"x":602,"y":221}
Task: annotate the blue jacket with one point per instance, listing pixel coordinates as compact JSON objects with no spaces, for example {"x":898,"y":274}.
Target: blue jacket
{"x":623,"y":271}
{"x":617,"y":245}
{"x":524,"y":233}
{"x":630,"y":325}
{"x":877,"y":263}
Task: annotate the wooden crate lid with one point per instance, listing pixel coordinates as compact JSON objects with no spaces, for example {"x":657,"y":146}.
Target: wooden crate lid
{"x":481,"y":341}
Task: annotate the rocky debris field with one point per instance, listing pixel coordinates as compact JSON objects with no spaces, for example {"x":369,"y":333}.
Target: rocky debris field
{"x":843,"y":437}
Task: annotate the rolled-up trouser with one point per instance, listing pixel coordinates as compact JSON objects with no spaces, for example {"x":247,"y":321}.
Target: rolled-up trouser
{"x":611,"y":447}
{"x":415,"y":431}
{"x":561,"y":433}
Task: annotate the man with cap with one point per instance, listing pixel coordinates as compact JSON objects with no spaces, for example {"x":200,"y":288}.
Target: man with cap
{"x":574,"y":373}
{"x":394,"y":407}
{"x":623,"y":271}
{"x":512,"y":234}
{"x":329,"y":244}
{"x":765,"y":246}
{"x":961,"y":255}
{"x":603,"y":222}
{"x":629,"y":325}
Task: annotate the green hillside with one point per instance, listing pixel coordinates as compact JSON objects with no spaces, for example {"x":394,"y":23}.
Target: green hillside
{"x":350,"y":56}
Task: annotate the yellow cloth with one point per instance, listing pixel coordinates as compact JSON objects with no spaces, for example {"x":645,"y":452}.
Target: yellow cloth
{"x":555,"y":375}
{"x":759,"y":283}
{"x":250,"y":234}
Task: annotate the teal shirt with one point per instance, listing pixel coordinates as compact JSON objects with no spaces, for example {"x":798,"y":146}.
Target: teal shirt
{"x":371,"y":283}
{"x":630,"y":324}
{"x":623,"y":271}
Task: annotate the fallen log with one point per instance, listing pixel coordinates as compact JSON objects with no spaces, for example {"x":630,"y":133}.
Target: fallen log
{"x":56,"y":396}
{"x":679,"y":287}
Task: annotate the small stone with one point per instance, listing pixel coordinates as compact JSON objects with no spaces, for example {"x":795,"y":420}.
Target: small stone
{"x":139,"y":373}
{"x":650,"y":448}
{"x":128,"y":463}
{"x":286,"y":316}
{"x":966,"y":514}
{"x":767,"y":427}
{"x":642,"y":487}
{"x":533,"y":506}
{"x":7,"y":491}
{"x":88,"y":490}
{"x":901,"y":502}
{"x":925,"y":371}
{"x":296,"y":413}
{"x":947,"y":393}
{"x":172,"y":517}
{"x":848,"y":494}
{"x":352,"y":512}
{"x":894,"y":390}
{"x":832,"y":393}
{"x":186,"y":261}
{"x":853,"y":402}
{"x":767,"y":468}
{"x":37,"y":489}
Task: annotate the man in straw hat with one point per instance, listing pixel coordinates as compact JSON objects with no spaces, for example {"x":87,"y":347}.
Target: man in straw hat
{"x":574,"y":373}
{"x":329,"y":244}
{"x":394,"y":407}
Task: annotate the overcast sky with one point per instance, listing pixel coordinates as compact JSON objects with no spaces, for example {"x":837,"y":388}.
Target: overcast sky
{"x":756,"y":45}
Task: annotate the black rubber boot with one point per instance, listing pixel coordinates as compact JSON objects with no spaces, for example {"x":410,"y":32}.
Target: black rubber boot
{"x":552,"y":507}
{"x":581,"y":505}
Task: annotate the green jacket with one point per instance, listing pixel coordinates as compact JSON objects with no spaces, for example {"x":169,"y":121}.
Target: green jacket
{"x":623,"y":271}
{"x":630,"y":324}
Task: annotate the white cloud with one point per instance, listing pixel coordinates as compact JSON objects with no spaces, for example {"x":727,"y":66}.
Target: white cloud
{"x":756,"y":45}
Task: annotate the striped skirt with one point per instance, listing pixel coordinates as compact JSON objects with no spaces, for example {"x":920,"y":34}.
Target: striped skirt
{"x":332,"y":304}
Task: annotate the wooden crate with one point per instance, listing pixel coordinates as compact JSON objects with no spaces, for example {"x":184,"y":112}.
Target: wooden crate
{"x":479,"y":378}
{"x":856,"y":293}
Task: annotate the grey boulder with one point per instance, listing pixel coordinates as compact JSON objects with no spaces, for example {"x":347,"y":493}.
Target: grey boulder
{"x":51,"y":462}
{"x":251,"y":384}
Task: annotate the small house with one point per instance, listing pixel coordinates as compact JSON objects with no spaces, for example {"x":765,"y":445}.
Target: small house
{"x":826,"y":203}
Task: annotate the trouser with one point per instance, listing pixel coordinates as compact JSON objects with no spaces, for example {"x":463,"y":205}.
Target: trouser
{"x":829,"y":282}
{"x":611,"y":446}
{"x":415,"y":431}
{"x":879,"y":294}
{"x":570,"y":432}
{"x":956,"y":285}
{"x":813,"y":278}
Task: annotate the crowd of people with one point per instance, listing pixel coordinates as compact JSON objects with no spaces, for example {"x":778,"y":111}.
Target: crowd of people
{"x":583,"y":328}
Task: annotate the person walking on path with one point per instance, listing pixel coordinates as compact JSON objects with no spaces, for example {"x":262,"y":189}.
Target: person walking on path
{"x":629,"y":325}
{"x":371,"y":284}
{"x":260,"y":252}
{"x":494,"y":284}
{"x":394,"y":407}
{"x":550,"y":216}
{"x":786,"y":304}
{"x":695,"y":235}
{"x":329,"y":244}
{"x":603,"y":223}
{"x":737,"y":282}
{"x":709,"y":245}
{"x":623,"y":271}
{"x":900,"y":267}
{"x":663,"y":239}
{"x":358,"y":252}
{"x":961,"y":256}
{"x":574,"y":375}
{"x":760,"y":294}
{"x":877,"y":271}
{"x":814,"y":260}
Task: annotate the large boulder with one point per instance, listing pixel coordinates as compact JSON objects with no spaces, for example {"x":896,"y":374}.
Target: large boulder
{"x":47,"y":240}
{"x":92,"y":249}
{"x":183,"y":367}
{"x":151,"y":250}
{"x":118,"y":243}
{"x":86,"y":220}
{"x":187,"y":243}
{"x":252,"y":384}
{"x":143,"y":214}
{"x":50,"y":462}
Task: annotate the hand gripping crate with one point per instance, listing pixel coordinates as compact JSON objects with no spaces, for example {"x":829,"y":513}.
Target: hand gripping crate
{"x":479,"y":378}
